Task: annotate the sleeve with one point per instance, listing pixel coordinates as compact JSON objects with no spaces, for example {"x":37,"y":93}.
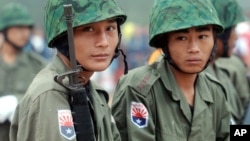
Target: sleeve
{"x":132,"y":114}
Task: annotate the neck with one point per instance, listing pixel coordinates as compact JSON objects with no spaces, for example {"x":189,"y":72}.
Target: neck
{"x":82,"y":75}
{"x":186,"y":82}
{"x":9,"y":53}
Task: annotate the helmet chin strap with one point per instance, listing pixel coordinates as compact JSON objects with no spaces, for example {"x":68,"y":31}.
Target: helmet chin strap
{"x":171,"y":62}
{"x":16,"y":47}
{"x":119,"y":51}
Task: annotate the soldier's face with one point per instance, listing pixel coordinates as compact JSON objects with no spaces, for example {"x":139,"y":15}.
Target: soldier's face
{"x":95,"y":44}
{"x":19,"y":35}
{"x":190,"y":48}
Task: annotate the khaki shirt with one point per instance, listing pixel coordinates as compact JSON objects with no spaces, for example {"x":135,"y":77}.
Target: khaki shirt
{"x":38,"y":118}
{"x":149,"y":106}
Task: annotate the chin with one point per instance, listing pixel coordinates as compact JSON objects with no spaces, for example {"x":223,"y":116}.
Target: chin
{"x":99,"y":68}
{"x":193,"y":70}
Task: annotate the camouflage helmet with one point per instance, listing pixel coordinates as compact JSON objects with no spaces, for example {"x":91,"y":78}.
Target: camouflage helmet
{"x":14,"y":14}
{"x":172,"y":15}
{"x":85,"y":12}
{"x":229,"y":12}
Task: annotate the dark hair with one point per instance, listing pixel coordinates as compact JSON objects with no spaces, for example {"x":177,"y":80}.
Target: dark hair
{"x":61,"y":45}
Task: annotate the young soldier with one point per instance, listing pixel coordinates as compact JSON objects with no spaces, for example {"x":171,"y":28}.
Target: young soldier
{"x":173,"y":99}
{"x":230,"y":14}
{"x":45,"y":112}
{"x":17,"y":67}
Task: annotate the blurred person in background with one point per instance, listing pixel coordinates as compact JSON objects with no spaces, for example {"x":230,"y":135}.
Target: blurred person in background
{"x":38,"y":44}
{"x":17,"y":68}
{"x":230,"y":14}
{"x":173,"y":99}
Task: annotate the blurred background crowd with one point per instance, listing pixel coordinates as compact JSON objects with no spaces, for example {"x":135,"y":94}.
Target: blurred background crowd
{"x":134,"y":41}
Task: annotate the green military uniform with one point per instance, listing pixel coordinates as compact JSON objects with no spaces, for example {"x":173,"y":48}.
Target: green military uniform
{"x":16,"y":77}
{"x":37,"y":119}
{"x":236,"y":71}
{"x":44,"y":114}
{"x":234,"y":101}
{"x":149,"y":105}
{"x":166,"y":113}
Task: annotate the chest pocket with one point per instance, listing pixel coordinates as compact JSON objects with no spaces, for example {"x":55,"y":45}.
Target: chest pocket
{"x":171,"y":124}
{"x":164,"y":119}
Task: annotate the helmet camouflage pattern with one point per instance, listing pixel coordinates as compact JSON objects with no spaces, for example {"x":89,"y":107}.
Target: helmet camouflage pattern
{"x":14,"y":14}
{"x":172,"y":15}
{"x":229,"y":12}
{"x":84,"y":12}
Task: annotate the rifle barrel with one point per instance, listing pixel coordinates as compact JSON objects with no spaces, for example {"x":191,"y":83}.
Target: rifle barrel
{"x":69,"y":18}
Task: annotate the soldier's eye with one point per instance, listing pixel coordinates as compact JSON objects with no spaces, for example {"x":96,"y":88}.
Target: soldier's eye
{"x":181,"y":38}
{"x":203,"y":36}
{"x":111,"y":28}
{"x":88,"y":29}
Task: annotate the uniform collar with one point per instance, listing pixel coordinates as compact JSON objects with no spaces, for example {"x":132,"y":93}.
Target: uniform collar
{"x":168,"y":79}
{"x":58,"y":66}
{"x":202,"y":88}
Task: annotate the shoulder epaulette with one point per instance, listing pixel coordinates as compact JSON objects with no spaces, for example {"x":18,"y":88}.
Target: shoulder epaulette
{"x":141,"y":79}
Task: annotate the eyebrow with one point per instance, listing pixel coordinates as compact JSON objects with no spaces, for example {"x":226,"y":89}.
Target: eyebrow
{"x":197,"y":29}
{"x":112,"y":20}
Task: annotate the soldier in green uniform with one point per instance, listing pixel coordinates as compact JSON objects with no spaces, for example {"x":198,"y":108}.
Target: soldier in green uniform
{"x":230,"y":14}
{"x":17,"y":68}
{"x":236,"y":71}
{"x":44,"y":114}
{"x":173,"y":99}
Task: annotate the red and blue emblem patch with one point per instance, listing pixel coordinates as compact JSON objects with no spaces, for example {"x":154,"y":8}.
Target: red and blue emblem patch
{"x":139,"y":114}
{"x":66,"y":126}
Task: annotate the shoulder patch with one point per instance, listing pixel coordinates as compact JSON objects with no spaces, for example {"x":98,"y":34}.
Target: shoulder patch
{"x":66,"y":126}
{"x":139,"y":114}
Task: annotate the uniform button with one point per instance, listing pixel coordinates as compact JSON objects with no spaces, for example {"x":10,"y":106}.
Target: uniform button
{"x":155,"y":72}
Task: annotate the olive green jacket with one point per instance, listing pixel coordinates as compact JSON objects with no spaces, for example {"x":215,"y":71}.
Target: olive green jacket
{"x":235,"y":104}
{"x":37,"y":116}
{"x":149,"y":106}
{"x":15,"y":80}
{"x":237,"y":72}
